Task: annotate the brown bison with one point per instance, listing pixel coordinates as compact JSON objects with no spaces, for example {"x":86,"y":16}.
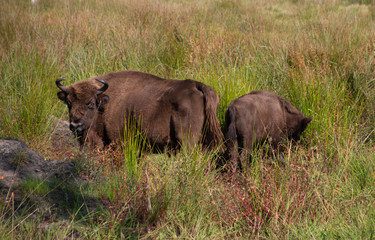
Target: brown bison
{"x":168,"y":112}
{"x":257,"y":117}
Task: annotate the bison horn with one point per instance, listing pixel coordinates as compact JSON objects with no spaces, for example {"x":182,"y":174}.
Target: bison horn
{"x":59,"y":85}
{"x":101,"y":90}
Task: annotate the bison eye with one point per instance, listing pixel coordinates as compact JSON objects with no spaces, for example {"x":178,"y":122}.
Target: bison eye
{"x":91,"y":105}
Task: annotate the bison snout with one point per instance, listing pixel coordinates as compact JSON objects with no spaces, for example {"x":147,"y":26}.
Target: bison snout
{"x":77,"y":127}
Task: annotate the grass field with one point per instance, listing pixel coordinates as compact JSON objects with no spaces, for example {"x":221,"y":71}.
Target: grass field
{"x":319,"y":55}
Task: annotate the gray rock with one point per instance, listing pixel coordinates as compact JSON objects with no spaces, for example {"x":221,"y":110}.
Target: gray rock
{"x":18,"y":162}
{"x":61,"y":196}
{"x":61,"y":133}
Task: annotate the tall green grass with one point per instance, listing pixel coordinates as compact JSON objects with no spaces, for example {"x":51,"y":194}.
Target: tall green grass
{"x":319,"y":55}
{"x":26,"y":95}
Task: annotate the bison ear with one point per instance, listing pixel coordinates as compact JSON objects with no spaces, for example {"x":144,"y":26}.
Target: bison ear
{"x":62,"y":95}
{"x":104,"y":99}
{"x":307,"y":120}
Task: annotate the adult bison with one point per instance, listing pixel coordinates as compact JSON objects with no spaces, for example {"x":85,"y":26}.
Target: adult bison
{"x":169,"y":112}
{"x":256,"y":117}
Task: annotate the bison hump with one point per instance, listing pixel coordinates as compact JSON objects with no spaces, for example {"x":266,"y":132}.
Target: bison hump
{"x":288,"y":107}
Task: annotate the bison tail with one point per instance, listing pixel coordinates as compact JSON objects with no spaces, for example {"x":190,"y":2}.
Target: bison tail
{"x":231,"y":136}
{"x":213,"y":136}
{"x":230,"y":124}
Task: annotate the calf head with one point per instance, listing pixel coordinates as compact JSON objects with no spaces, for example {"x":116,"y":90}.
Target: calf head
{"x":85,"y":101}
{"x":301,"y":126}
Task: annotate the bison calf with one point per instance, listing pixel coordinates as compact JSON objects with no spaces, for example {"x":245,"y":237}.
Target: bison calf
{"x":256,"y":117}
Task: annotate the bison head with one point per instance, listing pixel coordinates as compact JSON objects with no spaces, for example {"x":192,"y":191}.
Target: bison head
{"x":85,"y":101}
{"x":302,"y":125}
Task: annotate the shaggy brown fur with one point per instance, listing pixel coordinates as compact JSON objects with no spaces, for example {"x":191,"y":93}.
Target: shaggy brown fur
{"x":169,"y":111}
{"x":256,"y":117}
